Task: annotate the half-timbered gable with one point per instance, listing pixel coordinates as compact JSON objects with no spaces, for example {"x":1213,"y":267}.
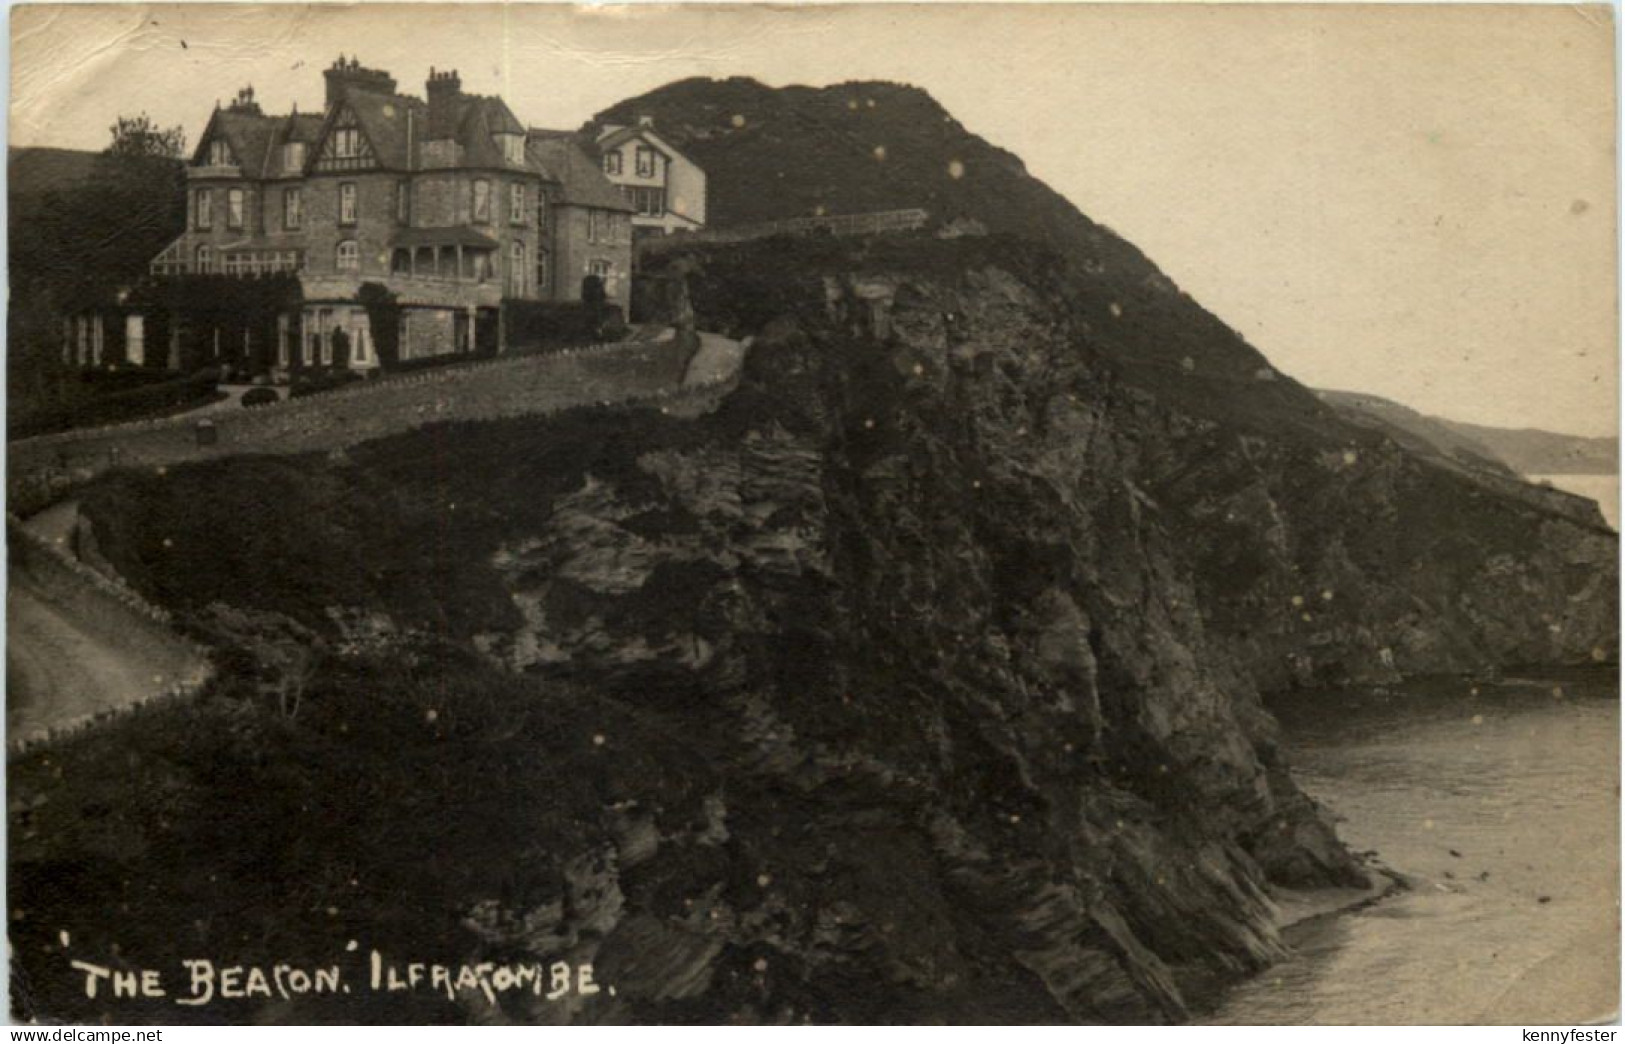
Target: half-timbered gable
{"x":344,"y":144}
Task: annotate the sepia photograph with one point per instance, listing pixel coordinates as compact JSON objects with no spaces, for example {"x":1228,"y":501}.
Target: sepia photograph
{"x":857,"y":514}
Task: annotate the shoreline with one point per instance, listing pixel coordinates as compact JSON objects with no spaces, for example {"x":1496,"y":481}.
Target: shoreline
{"x":1298,"y":907}
{"x":1296,"y":911}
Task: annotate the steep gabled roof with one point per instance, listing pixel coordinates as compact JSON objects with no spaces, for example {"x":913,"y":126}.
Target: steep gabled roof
{"x":479,"y":120}
{"x":248,"y":134}
{"x":617,"y":138}
{"x":384,"y":119}
{"x":298,"y":127}
{"x":557,"y":157}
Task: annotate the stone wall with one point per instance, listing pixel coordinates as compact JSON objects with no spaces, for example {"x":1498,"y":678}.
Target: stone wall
{"x":42,"y":469}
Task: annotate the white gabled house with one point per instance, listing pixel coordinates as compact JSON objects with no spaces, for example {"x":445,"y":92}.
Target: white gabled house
{"x":665,"y":188}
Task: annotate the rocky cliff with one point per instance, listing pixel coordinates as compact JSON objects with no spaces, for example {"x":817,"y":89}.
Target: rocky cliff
{"x":924,"y":673}
{"x":918,"y":682}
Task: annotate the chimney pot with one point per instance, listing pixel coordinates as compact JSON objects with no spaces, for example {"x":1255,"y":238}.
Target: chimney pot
{"x":347,"y":75}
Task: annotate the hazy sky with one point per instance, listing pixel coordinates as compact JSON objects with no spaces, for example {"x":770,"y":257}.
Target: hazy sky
{"x":1413,"y":201}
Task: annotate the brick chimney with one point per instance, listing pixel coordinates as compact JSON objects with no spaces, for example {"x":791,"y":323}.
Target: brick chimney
{"x":443,"y":89}
{"x":350,"y":75}
{"x":245,"y":102}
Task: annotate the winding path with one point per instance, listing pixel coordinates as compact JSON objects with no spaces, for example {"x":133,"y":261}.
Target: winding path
{"x":74,"y":651}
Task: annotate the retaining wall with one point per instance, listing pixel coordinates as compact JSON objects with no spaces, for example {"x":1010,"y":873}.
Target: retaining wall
{"x":42,"y":469}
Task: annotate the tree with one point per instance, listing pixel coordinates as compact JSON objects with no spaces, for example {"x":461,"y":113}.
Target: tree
{"x":384,"y":321}
{"x":139,"y":137}
{"x":78,"y":244}
{"x":593,"y":297}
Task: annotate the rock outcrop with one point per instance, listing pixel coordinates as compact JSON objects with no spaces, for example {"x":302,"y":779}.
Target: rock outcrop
{"x":988,"y":622}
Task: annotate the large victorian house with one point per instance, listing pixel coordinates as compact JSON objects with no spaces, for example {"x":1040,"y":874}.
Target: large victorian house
{"x":449,"y":204}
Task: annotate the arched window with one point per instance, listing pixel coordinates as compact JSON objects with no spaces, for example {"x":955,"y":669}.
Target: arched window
{"x":205,"y":259}
{"x":348,"y":258}
{"x":516,"y":271}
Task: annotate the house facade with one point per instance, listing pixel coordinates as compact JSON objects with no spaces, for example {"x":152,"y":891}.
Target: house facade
{"x":665,"y":188}
{"x":447,"y":202}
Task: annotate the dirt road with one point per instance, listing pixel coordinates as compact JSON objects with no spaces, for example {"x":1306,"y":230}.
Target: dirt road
{"x":73,"y":651}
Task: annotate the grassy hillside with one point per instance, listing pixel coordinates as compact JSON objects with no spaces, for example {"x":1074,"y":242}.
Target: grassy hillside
{"x":1525,"y":451}
{"x":774,"y":153}
{"x":31,"y":171}
{"x":1423,"y":435}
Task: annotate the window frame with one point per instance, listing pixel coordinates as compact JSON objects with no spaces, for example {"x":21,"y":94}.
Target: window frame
{"x":614,"y":162}
{"x":516,"y":203}
{"x":203,"y":209}
{"x":349,"y":202}
{"x":203,"y":258}
{"x":293,"y":208}
{"x":354,"y":252}
{"x":293,"y":156}
{"x":645,"y":196}
{"x":347,"y":142}
{"x":646,"y":170}
{"x":236,"y":204}
{"x":518,"y":262}
{"x":403,"y":201}
{"x":479,"y":203}
{"x":219,"y":153}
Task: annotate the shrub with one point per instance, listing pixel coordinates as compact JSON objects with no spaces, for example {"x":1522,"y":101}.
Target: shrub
{"x":315,"y":384}
{"x":260,"y":396}
{"x":90,"y":410}
{"x":536,"y":325}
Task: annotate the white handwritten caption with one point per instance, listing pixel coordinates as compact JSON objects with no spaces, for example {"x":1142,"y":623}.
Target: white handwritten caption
{"x":207,"y":981}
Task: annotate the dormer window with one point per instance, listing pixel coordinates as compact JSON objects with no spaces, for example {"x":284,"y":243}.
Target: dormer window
{"x":646,"y":162}
{"x":219,"y":153}
{"x":612,"y":163}
{"x":513,"y":148}
{"x":293,"y":156}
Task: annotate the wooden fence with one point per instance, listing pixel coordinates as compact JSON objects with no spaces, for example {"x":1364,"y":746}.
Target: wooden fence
{"x":872,"y":223}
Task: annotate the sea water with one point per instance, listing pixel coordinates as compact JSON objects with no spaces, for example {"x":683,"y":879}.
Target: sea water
{"x":1501,"y":803}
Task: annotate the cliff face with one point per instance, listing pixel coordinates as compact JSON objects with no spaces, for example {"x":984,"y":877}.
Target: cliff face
{"x":912,"y":575}
{"x":937,"y":648}
{"x":987,"y":622}
{"x":918,"y":682}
